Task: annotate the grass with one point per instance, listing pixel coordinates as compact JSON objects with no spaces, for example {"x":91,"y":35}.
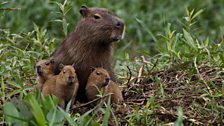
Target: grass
{"x":170,"y":63}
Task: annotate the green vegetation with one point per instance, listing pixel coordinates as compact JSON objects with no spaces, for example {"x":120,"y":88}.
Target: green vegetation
{"x":170,"y":63}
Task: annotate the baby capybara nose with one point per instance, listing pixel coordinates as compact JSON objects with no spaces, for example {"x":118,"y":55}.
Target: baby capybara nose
{"x":107,"y":80}
{"x":119,"y":24}
{"x":70,"y":77}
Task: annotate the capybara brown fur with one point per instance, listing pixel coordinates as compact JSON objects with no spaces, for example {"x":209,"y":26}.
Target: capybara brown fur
{"x":90,"y":44}
{"x":64,"y":85}
{"x":49,"y":86}
{"x":44,"y":70}
{"x":114,"y":89}
{"x":67,"y":85}
{"x":99,"y":80}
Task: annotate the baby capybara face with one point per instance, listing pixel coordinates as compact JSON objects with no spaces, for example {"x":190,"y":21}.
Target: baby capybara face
{"x":44,"y":67}
{"x":100,"y":76}
{"x":68,"y":74}
{"x":100,"y":21}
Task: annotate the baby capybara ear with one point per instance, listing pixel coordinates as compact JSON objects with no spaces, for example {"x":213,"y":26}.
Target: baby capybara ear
{"x":92,"y":69}
{"x":75,"y":66}
{"x":52,"y":61}
{"x":84,"y":10}
{"x":61,"y":66}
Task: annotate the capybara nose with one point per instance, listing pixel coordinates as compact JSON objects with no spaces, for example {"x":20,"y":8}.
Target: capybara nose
{"x":107,"y":80}
{"x":38,"y":68}
{"x":119,"y":24}
{"x":70,"y":77}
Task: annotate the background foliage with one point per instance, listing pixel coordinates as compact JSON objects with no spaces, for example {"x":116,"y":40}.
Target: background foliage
{"x":171,"y":34}
{"x":155,"y":14}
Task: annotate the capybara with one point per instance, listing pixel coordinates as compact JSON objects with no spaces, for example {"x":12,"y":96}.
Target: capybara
{"x":99,"y":80}
{"x":44,"y":70}
{"x":113,"y":88}
{"x":64,"y":85}
{"x":67,"y":85}
{"x":90,"y":44}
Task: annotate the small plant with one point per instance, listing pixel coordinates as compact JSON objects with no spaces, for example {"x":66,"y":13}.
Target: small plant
{"x":190,"y":18}
{"x":33,"y":110}
{"x":64,"y":9}
{"x":179,"y":121}
{"x":142,"y":116}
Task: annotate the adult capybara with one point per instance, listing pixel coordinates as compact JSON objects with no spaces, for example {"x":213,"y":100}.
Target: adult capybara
{"x":90,"y":44}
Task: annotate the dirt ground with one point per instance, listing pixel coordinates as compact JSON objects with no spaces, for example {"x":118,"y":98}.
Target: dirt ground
{"x":160,"y":93}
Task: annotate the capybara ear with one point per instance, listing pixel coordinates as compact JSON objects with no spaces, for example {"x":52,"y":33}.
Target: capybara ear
{"x":75,"y":66}
{"x":84,"y":10}
{"x":92,"y":69}
{"x":52,"y":61}
{"x":61,"y":66}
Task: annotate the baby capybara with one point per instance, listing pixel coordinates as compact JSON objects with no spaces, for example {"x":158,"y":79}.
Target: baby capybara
{"x":67,"y":85}
{"x":44,"y":70}
{"x":99,"y":80}
{"x":64,"y":85}
{"x":114,"y":89}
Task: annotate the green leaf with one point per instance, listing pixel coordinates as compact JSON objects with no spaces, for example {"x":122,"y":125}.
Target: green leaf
{"x":36,"y":110}
{"x":58,"y":20}
{"x":11,"y":110}
{"x":55,"y":117}
{"x":68,"y":118}
{"x":197,"y":13}
{"x":5,"y":2}
{"x":107,"y":112}
{"x":189,"y":40}
{"x":179,"y":121}
{"x":49,"y":102}
{"x":65,"y":2}
{"x":64,"y":24}
{"x":67,"y":10}
{"x":147,"y":29}
{"x":24,"y":110}
{"x":68,"y":106}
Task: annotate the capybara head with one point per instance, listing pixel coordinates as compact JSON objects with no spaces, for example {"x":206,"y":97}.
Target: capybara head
{"x":67,"y":74}
{"x":44,"y":67}
{"x":99,"y":76}
{"x":101,"y":24}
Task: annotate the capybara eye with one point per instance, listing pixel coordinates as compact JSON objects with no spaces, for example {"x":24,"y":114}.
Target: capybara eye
{"x":97,"y":16}
{"x":97,"y":73}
